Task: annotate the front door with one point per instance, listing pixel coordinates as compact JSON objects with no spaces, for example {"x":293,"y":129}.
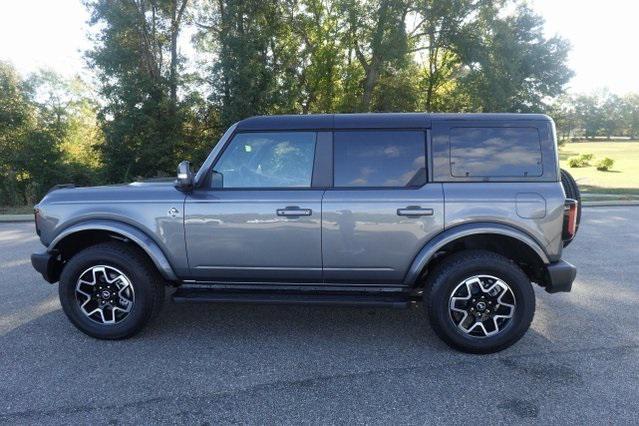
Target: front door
{"x":257,"y":217}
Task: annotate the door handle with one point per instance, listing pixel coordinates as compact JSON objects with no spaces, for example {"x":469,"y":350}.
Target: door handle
{"x":414,"y":211}
{"x":294,"y":211}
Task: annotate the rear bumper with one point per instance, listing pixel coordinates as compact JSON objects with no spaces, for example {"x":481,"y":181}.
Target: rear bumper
{"x":560,"y":276}
{"x":48,"y":265}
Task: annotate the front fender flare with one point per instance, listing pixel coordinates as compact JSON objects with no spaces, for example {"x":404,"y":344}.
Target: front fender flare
{"x":134,"y":234}
{"x":435,"y":244}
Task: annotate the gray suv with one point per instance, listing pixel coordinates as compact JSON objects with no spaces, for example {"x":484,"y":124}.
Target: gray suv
{"x":460,"y":211}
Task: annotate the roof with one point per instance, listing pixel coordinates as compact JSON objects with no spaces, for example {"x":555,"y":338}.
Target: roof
{"x":370,"y":120}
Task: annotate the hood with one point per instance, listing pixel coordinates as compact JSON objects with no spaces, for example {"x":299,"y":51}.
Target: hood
{"x":142,"y":191}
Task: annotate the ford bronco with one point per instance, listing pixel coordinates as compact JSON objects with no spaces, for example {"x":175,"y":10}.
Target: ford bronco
{"x":459,"y":211}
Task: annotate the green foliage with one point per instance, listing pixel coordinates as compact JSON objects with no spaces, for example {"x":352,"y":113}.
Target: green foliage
{"x":267,"y":57}
{"x":137,"y":64}
{"x":600,"y":113}
{"x":47,"y":133}
{"x":579,"y":161}
{"x":514,"y":68}
{"x":605,"y":164}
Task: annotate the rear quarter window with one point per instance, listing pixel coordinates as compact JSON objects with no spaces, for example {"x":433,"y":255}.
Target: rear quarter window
{"x":495,"y":152}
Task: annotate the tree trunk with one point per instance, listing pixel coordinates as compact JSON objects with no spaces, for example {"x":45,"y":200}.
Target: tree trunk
{"x":372,"y":76}
{"x":373,"y":68}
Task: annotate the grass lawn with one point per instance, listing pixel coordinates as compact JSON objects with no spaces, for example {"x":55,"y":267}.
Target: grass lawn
{"x":622,"y":180}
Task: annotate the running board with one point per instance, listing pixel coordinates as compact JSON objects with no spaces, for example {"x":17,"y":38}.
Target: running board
{"x":203,"y":295}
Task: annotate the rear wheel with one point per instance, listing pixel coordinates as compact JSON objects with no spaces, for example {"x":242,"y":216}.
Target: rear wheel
{"x":110,"y":291}
{"x":479,"y":301}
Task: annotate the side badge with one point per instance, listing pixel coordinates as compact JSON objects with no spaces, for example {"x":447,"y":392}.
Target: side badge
{"x":173,"y":212}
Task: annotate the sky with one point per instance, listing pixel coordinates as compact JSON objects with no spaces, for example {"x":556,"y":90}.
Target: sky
{"x":52,"y":34}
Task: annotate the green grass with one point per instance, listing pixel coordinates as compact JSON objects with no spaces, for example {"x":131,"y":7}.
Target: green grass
{"x":16,"y":210}
{"x":622,"y":180}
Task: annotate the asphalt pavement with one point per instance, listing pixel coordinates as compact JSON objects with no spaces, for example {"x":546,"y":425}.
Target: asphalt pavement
{"x":212,"y":364}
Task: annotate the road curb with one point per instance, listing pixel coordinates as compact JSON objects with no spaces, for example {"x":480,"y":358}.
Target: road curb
{"x":610,"y":203}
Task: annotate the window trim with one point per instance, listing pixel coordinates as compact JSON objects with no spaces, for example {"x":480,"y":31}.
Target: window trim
{"x":277,"y":188}
{"x":427,"y":170}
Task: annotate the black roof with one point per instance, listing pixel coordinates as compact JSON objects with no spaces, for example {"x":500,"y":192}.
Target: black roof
{"x":370,"y":120}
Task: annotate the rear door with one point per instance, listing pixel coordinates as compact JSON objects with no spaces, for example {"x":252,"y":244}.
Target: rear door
{"x":380,"y":211}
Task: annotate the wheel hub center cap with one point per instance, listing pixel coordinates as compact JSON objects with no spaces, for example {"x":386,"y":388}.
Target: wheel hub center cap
{"x":481,"y":306}
{"x":106,"y":294}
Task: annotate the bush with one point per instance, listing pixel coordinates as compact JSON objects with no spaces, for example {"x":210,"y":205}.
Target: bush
{"x":582,"y":160}
{"x":575,"y":162}
{"x":605,"y":164}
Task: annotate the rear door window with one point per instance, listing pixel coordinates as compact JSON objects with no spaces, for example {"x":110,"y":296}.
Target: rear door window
{"x":495,"y":152}
{"x":379,"y":159}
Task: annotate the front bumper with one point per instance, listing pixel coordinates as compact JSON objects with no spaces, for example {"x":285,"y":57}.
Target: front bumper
{"x":560,"y":276}
{"x":48,"y":264}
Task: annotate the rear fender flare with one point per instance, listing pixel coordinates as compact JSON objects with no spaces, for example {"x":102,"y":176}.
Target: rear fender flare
{"x":435,"y":244}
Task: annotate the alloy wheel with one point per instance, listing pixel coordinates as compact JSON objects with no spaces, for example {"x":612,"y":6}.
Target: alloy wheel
{"x":105,"y":294}
{"x":482,"y":306}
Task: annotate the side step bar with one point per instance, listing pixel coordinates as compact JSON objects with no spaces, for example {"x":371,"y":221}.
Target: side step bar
{"x":204,"y":295}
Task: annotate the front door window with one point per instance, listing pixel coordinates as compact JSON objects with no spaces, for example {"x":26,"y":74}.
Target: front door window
{"x":268,"y":160}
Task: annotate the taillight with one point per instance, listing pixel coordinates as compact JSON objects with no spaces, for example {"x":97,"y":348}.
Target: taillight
{"x":570,"y":219}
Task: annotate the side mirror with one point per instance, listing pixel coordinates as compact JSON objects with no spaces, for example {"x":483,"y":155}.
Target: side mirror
{"x":184,"y":181}
{"x":217,"y":179}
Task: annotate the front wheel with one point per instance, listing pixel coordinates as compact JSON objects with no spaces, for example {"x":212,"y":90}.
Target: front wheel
{"x":110,"y":291}
{"x":479,"y":301}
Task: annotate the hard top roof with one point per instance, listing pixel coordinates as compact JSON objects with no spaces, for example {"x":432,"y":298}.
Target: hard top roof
{"x":371,"y":120}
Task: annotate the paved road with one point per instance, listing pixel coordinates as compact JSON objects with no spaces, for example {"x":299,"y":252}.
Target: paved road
{"x":579,"y":363}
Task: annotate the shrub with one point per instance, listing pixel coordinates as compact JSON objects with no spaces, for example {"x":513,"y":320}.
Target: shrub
{"x":582,"y":160}
{"x":575,"y":162}
{"x":605,"y":164}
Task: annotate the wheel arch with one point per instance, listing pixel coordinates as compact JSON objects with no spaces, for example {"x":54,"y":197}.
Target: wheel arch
{"x":502,"y":239}
{"x":84,"y":234}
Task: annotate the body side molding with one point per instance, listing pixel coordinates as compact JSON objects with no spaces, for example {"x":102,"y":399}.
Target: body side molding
{"x":465,"y":230}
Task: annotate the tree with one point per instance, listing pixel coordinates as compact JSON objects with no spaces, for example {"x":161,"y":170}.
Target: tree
{"x":47,"y":133}
{"x":515,"y":68}
{"x":242,"y":36}
{"x":630,"y":114}
{"x":565,"y":116}
{"x":376,"y":35}
{"x":138,"y":66}
{"x":588,"y":111}
{"x":16,"y":120}
{"x":611,"y":114}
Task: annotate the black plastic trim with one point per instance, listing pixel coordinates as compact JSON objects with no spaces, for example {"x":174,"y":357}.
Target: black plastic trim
{"x":204,"y":295}
{"x":560,"y":276}
{"x":48,"y":265}
{"x":323,"y":166}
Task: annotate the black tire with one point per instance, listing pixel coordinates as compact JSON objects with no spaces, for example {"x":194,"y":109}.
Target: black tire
{"x":147,"y":284}
{"x":453,"y":271}
{"x":572,"y":191}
